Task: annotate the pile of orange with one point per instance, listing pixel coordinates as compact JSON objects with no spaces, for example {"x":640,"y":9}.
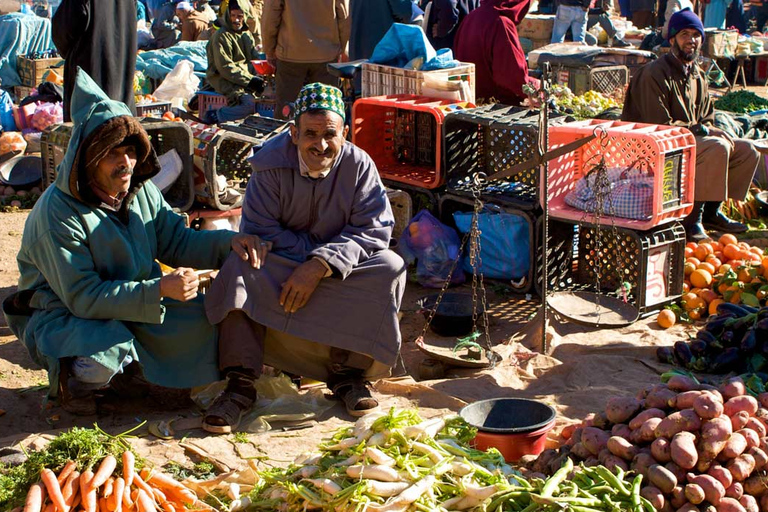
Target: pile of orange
{"x":723,"y":271}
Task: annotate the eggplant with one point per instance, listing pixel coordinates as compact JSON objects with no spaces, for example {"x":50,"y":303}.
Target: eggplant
{"x":682,"y":353}
{"x":727,"y":338}
{"x":726,"y":361}
{"x":762,"y":324}
{"x":706,"y":336}
{"x":750,"y":309}
{"x":763,"y":313}
{"x":665,"y":355}
{"x":749,"y":342}
{"x":698,"y":347}
{"x":716,"y":324}
{"x":738,"y":310}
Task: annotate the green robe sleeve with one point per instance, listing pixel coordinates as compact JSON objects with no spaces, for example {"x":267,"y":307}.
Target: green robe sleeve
{"x":180,"y":246}
{"x":65,"y":260}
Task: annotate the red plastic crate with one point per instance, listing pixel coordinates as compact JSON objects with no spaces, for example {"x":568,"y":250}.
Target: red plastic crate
{"x":404,"y":135}
{"x":208,"y":100}
{"x":668,"y":151}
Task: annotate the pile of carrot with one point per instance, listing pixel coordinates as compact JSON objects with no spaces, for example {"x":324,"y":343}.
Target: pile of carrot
{"x":104,"y":491}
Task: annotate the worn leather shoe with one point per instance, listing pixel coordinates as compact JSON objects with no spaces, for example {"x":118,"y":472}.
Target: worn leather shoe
{"x":74,"y":399}
{"x":695,"y":233}
{"x":719,"y":222}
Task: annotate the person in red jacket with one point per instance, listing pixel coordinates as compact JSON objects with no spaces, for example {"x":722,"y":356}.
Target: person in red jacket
{"x":488,"y":38}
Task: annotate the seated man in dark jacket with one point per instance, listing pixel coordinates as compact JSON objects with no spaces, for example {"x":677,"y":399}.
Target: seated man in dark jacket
{"x":672,"y":90}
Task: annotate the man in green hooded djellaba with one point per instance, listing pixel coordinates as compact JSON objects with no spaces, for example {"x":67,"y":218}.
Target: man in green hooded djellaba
{"x":230,"y":52}
{"x":91,"y":298}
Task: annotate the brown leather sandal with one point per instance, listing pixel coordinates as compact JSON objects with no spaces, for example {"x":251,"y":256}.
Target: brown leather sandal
{"x":79,"y":403}
{"x":357,"y":398}
{"x":226,"y":412}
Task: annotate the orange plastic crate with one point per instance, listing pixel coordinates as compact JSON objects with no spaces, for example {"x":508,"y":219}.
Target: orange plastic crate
{"x":208,"y":100}
{"x":403,"y":134}
{"x":669,"y":151}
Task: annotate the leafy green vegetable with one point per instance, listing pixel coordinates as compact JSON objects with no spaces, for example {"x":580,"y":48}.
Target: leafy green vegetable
{"x":741,"y":102}
{"x":203,"y":470}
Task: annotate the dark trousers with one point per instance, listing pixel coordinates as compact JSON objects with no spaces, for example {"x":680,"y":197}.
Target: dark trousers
{"x":290,"y":77}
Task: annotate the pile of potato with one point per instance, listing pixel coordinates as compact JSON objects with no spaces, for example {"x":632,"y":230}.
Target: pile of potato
{"x":698,"y":447}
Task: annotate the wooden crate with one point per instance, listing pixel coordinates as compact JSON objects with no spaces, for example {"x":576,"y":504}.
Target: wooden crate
{"x":31,"y":71}
{"x":22,"y":91}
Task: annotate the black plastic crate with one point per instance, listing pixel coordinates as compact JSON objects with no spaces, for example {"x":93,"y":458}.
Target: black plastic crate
{"x":451,"y":203}
{"x":153,"y":109}
{"x":650,"y":261}
{"x":164,"y":136}
{"x":489,"y":139}
{"x":224,"y":151}
{"x":421,"y":198}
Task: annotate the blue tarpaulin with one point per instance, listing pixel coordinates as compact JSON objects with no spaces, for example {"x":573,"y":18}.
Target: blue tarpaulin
{"x":21,"y":34}
{"x":158,"y":63}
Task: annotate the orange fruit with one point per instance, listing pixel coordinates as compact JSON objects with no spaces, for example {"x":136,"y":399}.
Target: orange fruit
{"x":709,"y":295}
{"x":688,"y":252}
{"x":743,"y":275}
{"x":713,"y":306}
{"x":695,"y":314}
{"x":764,"y":262}
{"x":721,"y":289}
{"x":724,"y":268}
{"x":716,"y":246}
{"x":707,"y":266}
{"x":701,"y":278}
{"x":692,"y":245}
{"x":736,"y":264}
{"x":666,"y":319}
{"x":727,"y":239}
{"x":755,"y":259}
{"x":686,"y":287}
{"x":736,"y":298}
{"x":689,"y":268}
{"x":761,"y":294}
{"x":702,"y":251}
{"x":756,"y":250}
{"x":719,"y":255}
{"x":696,"y":261}
{"x":731,"y":252}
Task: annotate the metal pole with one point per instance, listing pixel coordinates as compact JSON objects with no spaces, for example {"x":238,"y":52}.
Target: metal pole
{"x":544,"y":177}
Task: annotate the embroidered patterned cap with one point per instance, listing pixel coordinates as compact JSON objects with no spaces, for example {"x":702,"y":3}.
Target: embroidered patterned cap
{"x":320,"y":96}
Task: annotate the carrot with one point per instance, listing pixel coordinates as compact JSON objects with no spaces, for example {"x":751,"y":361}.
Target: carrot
{"x":127,"y":500}
{"x":71,"y":487}
{"x":141,"y":484}
{"x":168,"y":507}
{"x":159,"y":495}
{"x":158,"y":479}
{"x":88,"y":495}
{"x":108,"y":487}
{"x":144,"y":502}
{"x":50,"y":508}
{"x":35,"y":498}
{"x":76,"y":501}
{"x":117,"y":496}
{"x":54,"y":489}
{"x":106,"y":468}
{"x":129,"y":464}
{"x":103,"y":504}
{"x":68,"y":468}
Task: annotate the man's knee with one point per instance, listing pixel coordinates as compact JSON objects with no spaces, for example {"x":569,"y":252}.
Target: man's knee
{"x":745,"y":151}
{"x":89,"y":371}
{"x":390,"y":263}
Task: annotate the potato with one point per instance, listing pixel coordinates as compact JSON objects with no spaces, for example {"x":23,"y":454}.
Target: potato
{"x":541,"y":463}
{"x":654,"y":495}
{"x":644,"y":392}
{"x":660,"y":449}
{"x":744,"y":403}
{"x":576,"y":436}
{"x":733,"y":387}
{"x":688,"y":507}
{"x":683,"y":450}
{"x":761,"y":458}
{"x":641,"y":463}
{"x":601,"y":421}
{"x":682,"y":383}
{"x":707,"y":406}
{"x":729,"y":505}
{"x":678,"y":498}
{"x":622,"y":409}
{"x":647,"y":414}
{"x":621,"y":430}
{"x":763,"y":399}
{"x":685,"y":400}
{"x":734,"y":447}
{"x":756,"y":485}
{"x":741,"y":467}
{"x":739,"y":420}
{"x":612,"y":462}
{"x":758,"y":426}
{"x":749,"y":503}
{"x":591,"y":462}
{"x":567,"y":431}
{"x":735,"y":490}
{"x":750,"y":436}
{"x":604,"y":453}
{"x":662,"y":478}
{"x":580,"y":451}
{"x":594,"y":439}
{"x":682,"y":421}
{"x":714,"y":436}
{"x":764,"y":502}
{"x":713,"y":489}
{"x":647,"y":431}
{"x":659,"y":397}
{"x":676,"y":470}
{"x":721,"y":474}
{"x":620,"y":447}
{"x":694,"y":493}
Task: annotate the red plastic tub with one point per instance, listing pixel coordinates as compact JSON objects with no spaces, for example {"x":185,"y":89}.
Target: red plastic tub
{"x":514,"y":426}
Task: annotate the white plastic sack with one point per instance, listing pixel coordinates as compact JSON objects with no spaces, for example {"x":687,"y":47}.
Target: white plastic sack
{"x":181,"y":82}
{"x":170,"y":170}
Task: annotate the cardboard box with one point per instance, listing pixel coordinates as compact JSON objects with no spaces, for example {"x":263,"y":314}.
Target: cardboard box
{"x":537,"y":27}
{"x":722,"y":43}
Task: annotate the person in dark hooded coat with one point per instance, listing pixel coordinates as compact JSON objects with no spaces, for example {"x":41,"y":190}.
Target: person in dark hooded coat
{"x":488,"y":38}
{"x":445,"y":16}
{"x":101,"y":38}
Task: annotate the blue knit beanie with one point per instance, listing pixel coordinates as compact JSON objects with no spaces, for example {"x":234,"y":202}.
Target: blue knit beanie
{"x":683,"y":19}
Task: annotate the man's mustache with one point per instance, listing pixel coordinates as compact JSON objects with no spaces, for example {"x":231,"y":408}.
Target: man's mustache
{"x":122,"y":171}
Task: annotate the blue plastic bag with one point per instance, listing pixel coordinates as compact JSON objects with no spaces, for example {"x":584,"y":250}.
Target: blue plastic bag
{"x":6,"y":112}
{"x":505,"y":244}
{"x":434,"y":247}
{"x":406,"y":46}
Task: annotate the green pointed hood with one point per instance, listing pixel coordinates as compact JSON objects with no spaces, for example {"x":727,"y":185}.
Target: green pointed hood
{"x":100,"y":124}
{"x":244,"y":5}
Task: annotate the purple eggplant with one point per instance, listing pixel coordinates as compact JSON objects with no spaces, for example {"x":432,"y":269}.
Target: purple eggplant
{"x":698,"y":347}
{"x":683,"y":354}
{"x":749,"y":342}
{"x":665,"y":355}
{"x":726,"y":361}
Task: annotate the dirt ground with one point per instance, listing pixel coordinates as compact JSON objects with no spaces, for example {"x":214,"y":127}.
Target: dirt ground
{"x":584,"y":368}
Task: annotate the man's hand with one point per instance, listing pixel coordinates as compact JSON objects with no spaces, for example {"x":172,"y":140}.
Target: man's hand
{"x":251,"y":248}
{"x":181,"y":284}
{"x":301,"y":285}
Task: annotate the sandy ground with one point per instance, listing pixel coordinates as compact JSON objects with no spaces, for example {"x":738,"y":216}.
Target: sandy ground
{"x":584,"y":368}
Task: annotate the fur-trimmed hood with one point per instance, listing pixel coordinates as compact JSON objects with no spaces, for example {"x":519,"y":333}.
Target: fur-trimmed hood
{"x":100,"y":124}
